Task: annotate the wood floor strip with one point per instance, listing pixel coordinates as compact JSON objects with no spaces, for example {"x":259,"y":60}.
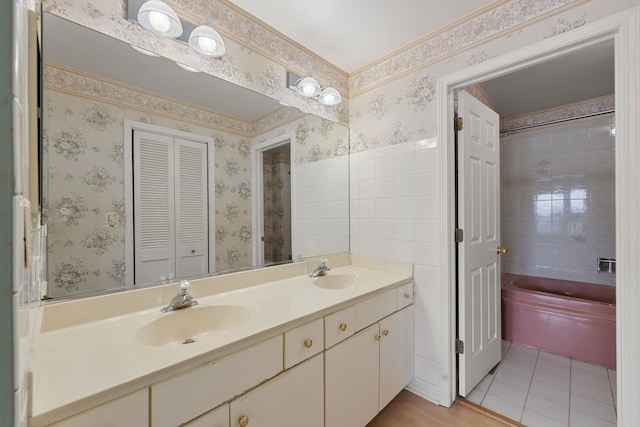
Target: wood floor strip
{"x":409,"y":410}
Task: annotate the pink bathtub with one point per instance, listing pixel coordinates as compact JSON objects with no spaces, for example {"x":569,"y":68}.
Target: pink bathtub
{"x":572,"y":319}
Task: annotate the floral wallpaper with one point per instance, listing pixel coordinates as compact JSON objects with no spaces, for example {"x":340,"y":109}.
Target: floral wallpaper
{"x":84,"y":195}
{"x":257,"y":57}
{"x":277,"y":206}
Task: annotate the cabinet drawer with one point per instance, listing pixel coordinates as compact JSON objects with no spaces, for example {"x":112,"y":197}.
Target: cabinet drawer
{"x":214,"y":383}
{"x":338,"y":326}
{"x":219,"y":417}
{"x":405,"y":295}
{"x":128,"y":411}
{"x":303,"y":342}
{"x":373,"y":309}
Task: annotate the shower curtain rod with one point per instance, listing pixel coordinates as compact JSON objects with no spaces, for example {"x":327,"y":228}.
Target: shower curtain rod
{"x":600,"y":113}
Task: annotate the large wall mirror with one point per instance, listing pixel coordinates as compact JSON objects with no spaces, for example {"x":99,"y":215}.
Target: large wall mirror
{"x":224,"y":177}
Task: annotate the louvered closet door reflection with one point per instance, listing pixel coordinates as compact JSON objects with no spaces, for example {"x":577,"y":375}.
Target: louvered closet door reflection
{"x":154,"y":201}
{"x":192,"y":255}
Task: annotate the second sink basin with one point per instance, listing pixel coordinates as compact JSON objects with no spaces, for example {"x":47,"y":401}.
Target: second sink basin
{"x":335,"y":281}
{"x":190,"y":324}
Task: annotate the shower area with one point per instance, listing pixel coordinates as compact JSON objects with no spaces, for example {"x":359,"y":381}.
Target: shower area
{"x":277,"y":204}
{"x":558,"y":221}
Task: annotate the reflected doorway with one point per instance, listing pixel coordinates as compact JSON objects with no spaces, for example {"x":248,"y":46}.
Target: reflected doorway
{"x":276,"y":204}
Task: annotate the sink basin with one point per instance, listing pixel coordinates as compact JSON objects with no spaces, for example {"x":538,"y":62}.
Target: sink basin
{"x":335,"y":281}
{"x":188,"y":325}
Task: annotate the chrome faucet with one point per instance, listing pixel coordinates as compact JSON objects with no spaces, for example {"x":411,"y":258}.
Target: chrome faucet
{"x":182,"y":300}
{"x":321,"y":270}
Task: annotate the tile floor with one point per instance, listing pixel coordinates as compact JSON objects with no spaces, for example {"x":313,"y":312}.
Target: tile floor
{"x":542,"y":389}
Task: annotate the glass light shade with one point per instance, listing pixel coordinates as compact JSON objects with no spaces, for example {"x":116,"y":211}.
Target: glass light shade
{"x":158,"y":17}
{"x":144,"y":51}
{"x":308,"y":87}
{"x":330,"y":96}
{"x":187,"y":68}
{"x":206,"y":41}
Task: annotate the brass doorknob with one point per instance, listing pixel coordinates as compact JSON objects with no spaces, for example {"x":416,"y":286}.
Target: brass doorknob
{"x":502,"y":250}
{"x":377,"y":337}
{"x":308,"y":343}
{"x":343,"y":326}
{"x":407,"y":295}
{"x":193,"y":251}
{"x":385,"y":332}
{"x":243,"y":421}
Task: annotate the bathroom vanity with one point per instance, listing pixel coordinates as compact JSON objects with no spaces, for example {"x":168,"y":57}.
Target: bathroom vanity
{"x":268,"y":347}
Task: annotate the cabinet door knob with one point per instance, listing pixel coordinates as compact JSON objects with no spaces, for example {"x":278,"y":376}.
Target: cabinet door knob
{"x":377,"y":337}
{"x":308,"y":343}
{"x":243,"y":421}
{"x":343,"y":326}
{"x":385,"y":332}
{"x":193,"y":251}
{"x":407,"y":295}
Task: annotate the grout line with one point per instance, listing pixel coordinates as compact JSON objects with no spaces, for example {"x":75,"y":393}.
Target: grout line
{"x":570,"y":385}
{"x":529,"y":389}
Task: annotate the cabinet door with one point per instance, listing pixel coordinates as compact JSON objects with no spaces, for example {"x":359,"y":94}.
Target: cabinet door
{"x":292,"y":399}
{"x":351,"y":380}
{"x":396,"y":354}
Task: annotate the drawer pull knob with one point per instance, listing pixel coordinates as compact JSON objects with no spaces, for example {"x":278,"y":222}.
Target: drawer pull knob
{"x":193,"y":251}
{"x":407,"y":295}
{"x":308,"y":343}
{"x":377,"y":337}
{"x":243,"y":421}
{"x":385,"y":332}
{"x":343,"y":326}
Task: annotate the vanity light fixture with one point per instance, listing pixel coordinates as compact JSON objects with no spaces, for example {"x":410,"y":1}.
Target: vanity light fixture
{"x":330,"y":96}
{"x":206,"y":41}
{"x":158,"y":17}
{"x":310,"y":88}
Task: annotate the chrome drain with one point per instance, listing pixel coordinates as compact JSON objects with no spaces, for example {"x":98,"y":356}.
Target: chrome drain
{"x":188,"y":341}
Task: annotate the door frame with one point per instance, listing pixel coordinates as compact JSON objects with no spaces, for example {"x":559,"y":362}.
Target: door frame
{"x":129,"y":127}
{"x":624,"y":29}
{"x":257,"y":192}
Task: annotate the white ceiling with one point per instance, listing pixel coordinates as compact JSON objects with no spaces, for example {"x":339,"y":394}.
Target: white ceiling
{"x":352,"y":34}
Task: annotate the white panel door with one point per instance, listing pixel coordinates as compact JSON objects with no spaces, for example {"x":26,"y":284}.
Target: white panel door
{"x":479,"y":323}
{"x":153,"y":201}
{"x":192,"y":222}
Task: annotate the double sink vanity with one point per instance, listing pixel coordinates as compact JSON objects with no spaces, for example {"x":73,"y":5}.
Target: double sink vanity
{"x":267,"y":347}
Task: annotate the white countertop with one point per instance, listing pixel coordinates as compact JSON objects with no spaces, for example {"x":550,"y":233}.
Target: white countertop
{"x":79,"y":365}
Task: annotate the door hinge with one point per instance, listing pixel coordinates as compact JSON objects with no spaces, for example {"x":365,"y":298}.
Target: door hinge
{"x":459,"y":347}
{"x":459,"y":235}
{"x":458,"y":124}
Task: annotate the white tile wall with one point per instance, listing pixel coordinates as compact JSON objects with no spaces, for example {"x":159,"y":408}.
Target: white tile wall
{"x":394,"y":214}
{"x":321,"y":207}
{"x":558,"y":199}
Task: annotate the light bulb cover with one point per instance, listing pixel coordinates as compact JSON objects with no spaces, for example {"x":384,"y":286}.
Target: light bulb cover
{"x":330,"y":96}
{"x":187,"y":67}
{"x":206,"y":41}
{"x":144,"y":51}
{"x":158,"y":17}
{"x":308,"y":86}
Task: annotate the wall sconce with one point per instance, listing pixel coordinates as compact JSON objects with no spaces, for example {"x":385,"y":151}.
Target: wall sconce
{"x":310,"y":88}
{"x":159,"y":18}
